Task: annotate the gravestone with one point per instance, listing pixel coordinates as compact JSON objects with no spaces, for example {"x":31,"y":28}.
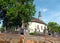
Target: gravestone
{"x":56,"y":34}
{"x":26,"y":32}
{"x":22,"y":31}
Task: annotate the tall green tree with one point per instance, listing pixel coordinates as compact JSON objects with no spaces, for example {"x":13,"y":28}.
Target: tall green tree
{"x":53,"y":27}
{"x":58,"y":27}
{"x":17,"y":12}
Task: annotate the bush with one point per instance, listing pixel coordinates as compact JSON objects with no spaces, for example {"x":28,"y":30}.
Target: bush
{"x":1,"y":29}
{"x":33,"y":33}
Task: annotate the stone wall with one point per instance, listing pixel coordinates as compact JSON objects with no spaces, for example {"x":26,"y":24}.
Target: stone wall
{"x":16,"y":38}
{"x":11,"y":38}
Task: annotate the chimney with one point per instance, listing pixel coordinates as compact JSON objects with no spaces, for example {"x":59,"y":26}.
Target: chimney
{"x":39,"y":16}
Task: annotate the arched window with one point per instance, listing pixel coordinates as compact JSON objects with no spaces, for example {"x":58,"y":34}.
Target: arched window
{"x":37,"y":26}
{"x":41,"y":28}
{"x":44,"y":27}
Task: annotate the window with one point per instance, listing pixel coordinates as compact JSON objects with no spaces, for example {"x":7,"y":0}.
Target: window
{"x":44,"y":27}
{"x":37,"y":26}
{"x":41,"y":28}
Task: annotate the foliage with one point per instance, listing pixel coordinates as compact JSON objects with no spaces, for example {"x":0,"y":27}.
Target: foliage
{"x":54,"y":27}
{"x":1,"y":29}
{"x":33,"y":33}
{"x":14,"y":11}
{"x":58,"y":28}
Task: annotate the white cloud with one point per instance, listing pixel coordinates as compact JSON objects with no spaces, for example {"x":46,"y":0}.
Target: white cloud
{"x":43,"y":9}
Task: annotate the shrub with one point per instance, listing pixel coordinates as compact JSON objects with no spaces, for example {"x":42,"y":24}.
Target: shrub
{"x":33,"y":33}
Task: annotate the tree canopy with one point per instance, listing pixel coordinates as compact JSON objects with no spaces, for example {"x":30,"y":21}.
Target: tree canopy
{"x":54,"y":27}
{"x":14,"y":11}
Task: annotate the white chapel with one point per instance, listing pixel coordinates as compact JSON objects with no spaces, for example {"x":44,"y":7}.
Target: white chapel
{"x":37,"y":25}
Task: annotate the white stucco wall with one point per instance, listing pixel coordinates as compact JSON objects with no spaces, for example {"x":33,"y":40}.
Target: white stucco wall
{"x":33,"y":25}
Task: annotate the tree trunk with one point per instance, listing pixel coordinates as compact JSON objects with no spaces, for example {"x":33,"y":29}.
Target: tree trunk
{"x":22,"y":28}
{"x":23,"y":24}
{"x":5,"y":28}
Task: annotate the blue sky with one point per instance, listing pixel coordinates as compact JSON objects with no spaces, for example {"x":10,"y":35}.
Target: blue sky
{"x":1,"y":23}
{"x":50,"y":10}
